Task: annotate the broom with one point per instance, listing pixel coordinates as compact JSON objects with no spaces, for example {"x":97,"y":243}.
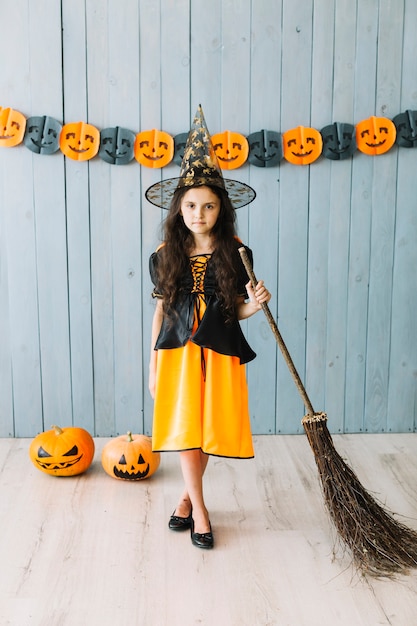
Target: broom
{"x":379,"y":544}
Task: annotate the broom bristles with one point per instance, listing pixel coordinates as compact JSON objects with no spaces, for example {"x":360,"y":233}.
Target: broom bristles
{"x":379,"y":544}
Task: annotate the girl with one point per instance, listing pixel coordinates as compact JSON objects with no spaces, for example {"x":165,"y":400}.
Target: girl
{"x":198,"y":351}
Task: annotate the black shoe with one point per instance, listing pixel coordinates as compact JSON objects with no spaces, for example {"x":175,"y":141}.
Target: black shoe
{"x":201,"y":540}
{"x":179,"y":523}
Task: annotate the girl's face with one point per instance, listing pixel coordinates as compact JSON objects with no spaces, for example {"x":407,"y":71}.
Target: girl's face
{"x":200,"y":208}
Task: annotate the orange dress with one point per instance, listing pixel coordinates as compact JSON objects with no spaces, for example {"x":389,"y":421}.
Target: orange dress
{"x":201,"y":396}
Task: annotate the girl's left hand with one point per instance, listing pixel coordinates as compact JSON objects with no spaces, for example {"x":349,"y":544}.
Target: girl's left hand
{"x":259,"y":295}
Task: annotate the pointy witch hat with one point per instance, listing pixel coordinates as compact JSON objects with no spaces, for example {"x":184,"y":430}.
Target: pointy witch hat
{"x":199,"y":167}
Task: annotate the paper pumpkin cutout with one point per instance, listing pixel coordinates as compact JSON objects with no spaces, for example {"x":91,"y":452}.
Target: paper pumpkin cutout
{"x":265,"y":148}
{"x":339,"y":141}
{"x":154,"y":148}
{"x":79,"y":141}
{"x":231,"y":149}
{"x":42,"y":134}
{"x":302,"y":145}
{"x":375,"y":135}
{"x":116,"y":145}
{"x":12,"y":127}
{"x":406,"y":127}
{"x":180,"y":142}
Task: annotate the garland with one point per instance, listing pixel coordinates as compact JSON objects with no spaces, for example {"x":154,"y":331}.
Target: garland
{"x":117,"y":145}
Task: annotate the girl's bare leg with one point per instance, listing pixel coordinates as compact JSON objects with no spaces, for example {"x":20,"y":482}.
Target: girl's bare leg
{"x":193,"y":465}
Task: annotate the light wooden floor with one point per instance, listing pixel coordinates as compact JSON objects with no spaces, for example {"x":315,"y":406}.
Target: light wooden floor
{"x":95,"y":551}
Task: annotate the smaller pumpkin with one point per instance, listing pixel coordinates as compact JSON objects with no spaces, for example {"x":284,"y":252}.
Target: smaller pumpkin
{"x":130,"y":457}
{"x":62,"y":451}
{"x":302,"y":145}
{"x":12,"y":127}
{"x":154,"y":148}
{"x":231,"y":149}
{"x":375,"y":135}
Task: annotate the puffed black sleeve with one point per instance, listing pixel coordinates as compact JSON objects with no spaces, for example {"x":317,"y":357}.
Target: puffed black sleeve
{"x":153,"y":264}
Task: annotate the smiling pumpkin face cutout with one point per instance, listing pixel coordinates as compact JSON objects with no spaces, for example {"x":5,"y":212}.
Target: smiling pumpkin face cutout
{"x":12,"y":127}
{"x":339,"y":141}
{"x":116,"y":145}
{"x":302,"y":145}
{"x":154,"y":148}
{"x":79,"y":141}
{"x":42,"y":134}
{"x":231,"y":149}
{"x":375,"y":135}
{"x":265,"y":148}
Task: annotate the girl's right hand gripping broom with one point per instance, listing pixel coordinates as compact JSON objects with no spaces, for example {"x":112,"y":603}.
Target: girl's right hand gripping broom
{"x":379,"y":545}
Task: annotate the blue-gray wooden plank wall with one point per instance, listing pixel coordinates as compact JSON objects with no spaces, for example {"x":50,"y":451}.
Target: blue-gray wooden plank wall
{"x":335,"y":241}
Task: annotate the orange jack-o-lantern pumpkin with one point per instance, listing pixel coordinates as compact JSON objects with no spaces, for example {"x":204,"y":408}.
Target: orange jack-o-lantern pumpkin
{"x":12,"y":127}
{"x":130,"y":457}
{"x":154,"y":148}
{"x":79,"y":141}
{"x":62,"y":451}
{"x":375,"y":135}
{"x":302,"y":145}
{"x":231,"y":149}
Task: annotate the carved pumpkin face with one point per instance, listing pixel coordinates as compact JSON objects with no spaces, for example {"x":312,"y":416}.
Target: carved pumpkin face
{"x":231,"y":149}
{"x":339,"y":141}
{"x":180,"y":141}
{"x":79,"y":141}
{"x":265,"y":148}
{"x":154,"y":148}
{"x":302,"y":145}
{"x":42,"y":134}
{"x":116,"y":145}
{"x":375,"y":135}
{"x":62,"y":451}
{"x":12,"y":127}
{"x":130,"y":457}
{"x":406,"y":125}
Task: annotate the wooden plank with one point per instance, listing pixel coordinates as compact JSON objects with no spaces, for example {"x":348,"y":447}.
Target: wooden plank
{"x":206,"y":48}
{"x":20,"y":235}
{"x":50,"y":222}
{"x":402,"y":399}
{"x":293,"y":217}
{"x":319,"y":208}
{"x":339,"y":219}
{"x":360,"y":226}
{"x":383,"y":224}
{"x":6,"y":381}
{"x":78,"y":219}
{"x":100,"y":33}
{"x":263,"y":212}
{"x":151,"y":216}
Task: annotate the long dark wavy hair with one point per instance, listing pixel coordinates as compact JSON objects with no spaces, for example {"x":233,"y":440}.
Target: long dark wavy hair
{"x":179,"y":241}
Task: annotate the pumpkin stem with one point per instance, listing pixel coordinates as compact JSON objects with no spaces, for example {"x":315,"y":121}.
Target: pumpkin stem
{"x":129,"y":436}
{"x":58,"y":430}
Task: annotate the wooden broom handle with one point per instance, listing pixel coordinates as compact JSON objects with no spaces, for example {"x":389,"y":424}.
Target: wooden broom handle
{"x":277,"y":334}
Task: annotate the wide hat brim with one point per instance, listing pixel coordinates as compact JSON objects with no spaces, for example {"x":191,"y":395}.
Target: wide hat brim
{"x":160,"y":194}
